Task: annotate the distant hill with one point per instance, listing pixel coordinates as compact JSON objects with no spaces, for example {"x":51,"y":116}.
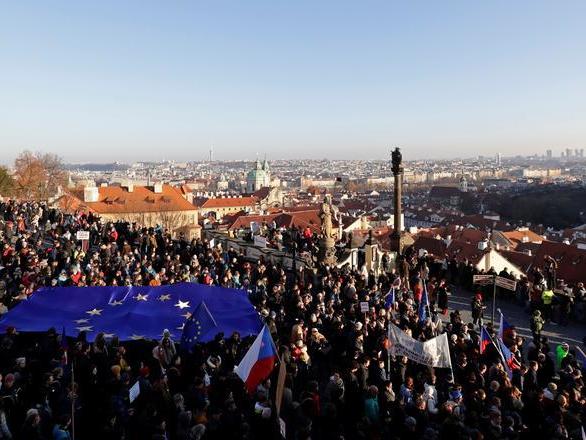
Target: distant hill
{"x":556,"y":206}
{"x":97,"y":167}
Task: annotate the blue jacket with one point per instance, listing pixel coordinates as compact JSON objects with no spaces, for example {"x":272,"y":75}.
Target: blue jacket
{"x":60,"y":434}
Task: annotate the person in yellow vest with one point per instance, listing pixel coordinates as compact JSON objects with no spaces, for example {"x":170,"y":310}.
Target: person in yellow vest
{"x":547,"y":299}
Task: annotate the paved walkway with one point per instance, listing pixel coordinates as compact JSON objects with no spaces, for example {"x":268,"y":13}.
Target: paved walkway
{"x":573,"y":333}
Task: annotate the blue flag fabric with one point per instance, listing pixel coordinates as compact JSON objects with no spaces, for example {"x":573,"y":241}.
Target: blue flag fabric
{"x":198,"y":325}
{"x":133,"y":313}
{"x":390,"y":298}
{"x":424,"y":305}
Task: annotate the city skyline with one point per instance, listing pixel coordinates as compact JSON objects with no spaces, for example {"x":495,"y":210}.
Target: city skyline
{"x":143,"y":81}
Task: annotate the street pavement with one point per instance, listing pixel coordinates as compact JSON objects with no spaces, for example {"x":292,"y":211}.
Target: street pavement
{"x":573,"y":333}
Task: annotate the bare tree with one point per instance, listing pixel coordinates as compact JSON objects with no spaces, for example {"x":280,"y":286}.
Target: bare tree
{"x":6,"y":182}
{"x":171,"y":220}
{"x":38,"y":176}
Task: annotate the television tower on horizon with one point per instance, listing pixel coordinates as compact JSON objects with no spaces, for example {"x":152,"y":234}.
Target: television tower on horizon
{"x":212,"y":153}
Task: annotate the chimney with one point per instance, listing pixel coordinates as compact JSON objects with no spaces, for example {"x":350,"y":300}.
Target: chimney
{"x":91,"y":194}
{"x":130,"y":187}
{"x":158,"y":188}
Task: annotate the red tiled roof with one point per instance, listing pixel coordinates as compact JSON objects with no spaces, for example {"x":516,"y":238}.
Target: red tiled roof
{"x":300,"y":219}
{"x":117,"y":200}
{"x":517,"y":237}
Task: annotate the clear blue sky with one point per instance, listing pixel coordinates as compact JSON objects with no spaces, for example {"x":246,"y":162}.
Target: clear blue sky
{"x":125,"y":80}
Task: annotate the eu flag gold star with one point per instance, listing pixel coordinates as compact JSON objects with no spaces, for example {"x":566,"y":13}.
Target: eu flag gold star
{"x":182,"y":304}
{"x":165,"y":297}
{"x":140,"y":297}
{"x":95,"y":312}
{"x":87,"y":328}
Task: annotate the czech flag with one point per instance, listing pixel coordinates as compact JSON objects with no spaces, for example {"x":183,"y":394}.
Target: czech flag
{"x":509,"y":361}
{"x":259,"y":361}
{"x":505,"y":329}
{"x":485,"y":339}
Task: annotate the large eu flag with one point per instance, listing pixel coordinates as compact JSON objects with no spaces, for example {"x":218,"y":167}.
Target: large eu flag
{"x":135,"y":313}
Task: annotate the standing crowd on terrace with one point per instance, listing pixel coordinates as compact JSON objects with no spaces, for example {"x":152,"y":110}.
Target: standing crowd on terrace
{"x":342,"y":378}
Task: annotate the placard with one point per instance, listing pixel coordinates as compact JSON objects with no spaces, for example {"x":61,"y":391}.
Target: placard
{"x":82,"y":235}
{"x":483,"y":279}
{"x":506,"y":283}
{"x":134,"y":391}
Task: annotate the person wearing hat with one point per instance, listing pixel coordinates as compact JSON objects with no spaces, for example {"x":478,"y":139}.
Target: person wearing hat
{"x":477,"y":309}
{"x":536,"y":324}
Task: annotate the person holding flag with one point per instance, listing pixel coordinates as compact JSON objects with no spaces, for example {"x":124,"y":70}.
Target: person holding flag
{"x":485,"y":339}
{"x":423,"y":310}
{"x":390,"y":298}
{"x":506,"y":331}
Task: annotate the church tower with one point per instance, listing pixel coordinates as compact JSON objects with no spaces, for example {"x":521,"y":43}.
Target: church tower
{"x":463,"y":183}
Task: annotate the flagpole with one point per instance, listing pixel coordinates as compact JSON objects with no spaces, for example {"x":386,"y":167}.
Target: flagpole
{"x":72,"y":400}
{"x":498,"y":348}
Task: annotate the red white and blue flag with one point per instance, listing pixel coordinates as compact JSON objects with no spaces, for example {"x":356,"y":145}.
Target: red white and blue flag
{"x":505,"y":329}
{"x":259,"y":361}
{"x":485,"y":339}
{"x":509,"y":361}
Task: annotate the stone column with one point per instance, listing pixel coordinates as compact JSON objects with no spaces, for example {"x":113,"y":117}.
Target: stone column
{"x":397,"y":168}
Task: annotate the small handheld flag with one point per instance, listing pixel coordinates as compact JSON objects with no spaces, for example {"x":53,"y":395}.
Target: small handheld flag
{"x":505,"y":328}
{"x":485,"y":339}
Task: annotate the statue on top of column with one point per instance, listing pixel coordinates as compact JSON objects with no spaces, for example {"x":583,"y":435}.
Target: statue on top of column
{"x":397,"y":161}
{"x":326,"y":217}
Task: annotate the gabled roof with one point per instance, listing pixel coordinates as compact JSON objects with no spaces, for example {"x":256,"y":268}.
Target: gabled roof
{"x":118,"y":200}
{"x":519,"y":259}
{"x":298,"y":219}
{"x":517,"y":237}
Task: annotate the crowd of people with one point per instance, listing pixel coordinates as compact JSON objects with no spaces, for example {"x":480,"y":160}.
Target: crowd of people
{"x":342,"y":379}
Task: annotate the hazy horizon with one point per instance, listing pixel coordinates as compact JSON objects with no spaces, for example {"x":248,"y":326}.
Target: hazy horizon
{"x":149,"y":81}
